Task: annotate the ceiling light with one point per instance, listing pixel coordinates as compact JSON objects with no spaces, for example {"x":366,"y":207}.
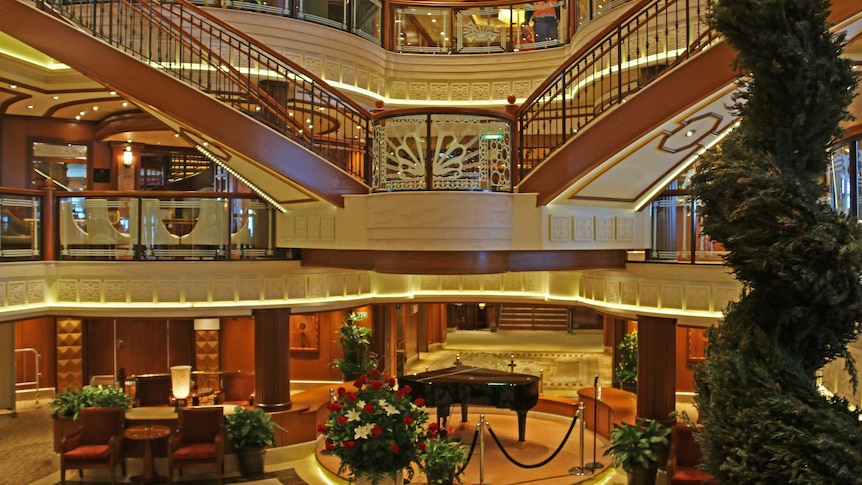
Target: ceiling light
{"x":29,"y":106}
{"x":128,"y":157}
{"x":13,"y":86}
{"x":95,"y":108}
{"x":55,"y":97}
{"x":113,"y":93}
{"x":125,"y":104}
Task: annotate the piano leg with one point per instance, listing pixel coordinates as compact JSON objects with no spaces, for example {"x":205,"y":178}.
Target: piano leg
{"x":443,"y":416}
{"x":522,"y":426}
{"x":463,"y":415}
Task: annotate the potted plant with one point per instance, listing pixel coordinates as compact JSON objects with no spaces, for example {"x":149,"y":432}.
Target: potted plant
{"x":376,"y":431}
{"x":250,"y":431}
{"x":626,"y":371}
{"x":354,"y":340}
{"x":443,"y":459}
{"x":637,"y":449}
{"x":67,"y":405}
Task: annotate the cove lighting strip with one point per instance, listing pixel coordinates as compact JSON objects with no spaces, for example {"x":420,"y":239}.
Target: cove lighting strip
{"x":242,"y":179}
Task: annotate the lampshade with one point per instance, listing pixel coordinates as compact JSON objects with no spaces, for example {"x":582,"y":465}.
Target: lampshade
{"x":181,"y":380}
{"x":128,"y":157}
{"x":206,"y":323}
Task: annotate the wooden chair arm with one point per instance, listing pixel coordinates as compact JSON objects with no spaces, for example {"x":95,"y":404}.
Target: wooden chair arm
{"x":71,"y":441}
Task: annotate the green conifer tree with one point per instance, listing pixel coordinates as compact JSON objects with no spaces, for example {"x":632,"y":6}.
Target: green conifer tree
{"x":798,"y":260}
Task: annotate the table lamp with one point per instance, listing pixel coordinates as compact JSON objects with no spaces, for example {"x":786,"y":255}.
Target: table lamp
{"x":181,"y":382}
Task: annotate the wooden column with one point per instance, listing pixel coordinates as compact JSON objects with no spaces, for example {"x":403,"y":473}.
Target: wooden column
{"x":656,"y":368}
{"x":615,"y":330}
{"x":272,"y":359}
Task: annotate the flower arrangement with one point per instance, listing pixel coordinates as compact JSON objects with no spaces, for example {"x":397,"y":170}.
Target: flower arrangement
{"x":375,"y":430}
{"x":354,"y":341}
{"x":443,"y":458}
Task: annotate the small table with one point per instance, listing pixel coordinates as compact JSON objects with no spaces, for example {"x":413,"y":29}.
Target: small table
{"x":147,"y":433}
{"x":195,"y":395}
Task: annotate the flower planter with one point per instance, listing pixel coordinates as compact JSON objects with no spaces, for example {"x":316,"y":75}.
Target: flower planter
{"x":63,"y":427}
{"x":251,"y":460}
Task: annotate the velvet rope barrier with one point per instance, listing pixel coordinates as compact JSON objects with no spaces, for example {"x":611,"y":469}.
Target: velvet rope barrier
{"x":546,"y":460}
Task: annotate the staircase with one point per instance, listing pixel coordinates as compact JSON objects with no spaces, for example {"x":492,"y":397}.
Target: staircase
{"x":525,"y":317}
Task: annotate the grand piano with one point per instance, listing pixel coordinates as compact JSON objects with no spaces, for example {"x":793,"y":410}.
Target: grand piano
{"x":475,"y":385}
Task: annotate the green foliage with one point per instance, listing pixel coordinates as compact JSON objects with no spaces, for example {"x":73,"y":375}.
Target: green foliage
{"x":354,"y":341}
{"x":637,"y":446}
{"x":443,"y":459}
{"x":250,"y":428}
{"x":799,"y":261}
{"x":68,"y":404}
{"x":627,"y":368}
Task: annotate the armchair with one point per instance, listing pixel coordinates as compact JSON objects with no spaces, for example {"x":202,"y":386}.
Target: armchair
{"x":98,"y":443}
{"x":198,"y":440}
{"x":684,"y":457}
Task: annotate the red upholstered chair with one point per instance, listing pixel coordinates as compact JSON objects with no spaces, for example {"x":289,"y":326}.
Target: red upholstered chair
{"x":98,"y":443}
{"x":198,"y":440}
{"x":684,"y":457}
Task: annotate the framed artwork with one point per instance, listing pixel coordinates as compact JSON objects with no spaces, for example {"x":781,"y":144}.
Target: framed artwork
{"x":696,"y":339}
{"x":304,"y":333}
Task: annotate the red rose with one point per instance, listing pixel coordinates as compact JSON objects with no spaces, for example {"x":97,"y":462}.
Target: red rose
{"x":321,"y":428}
{"x":408,"y":420}
{"x":420,"y":446}
{"x":391,"y":382}
{"x":375,"y":431}
{"x":372,"y":372}
{"x":342,"y":420}
{"x":361,"y":381}
{"x":407,"y":389}
{"x":351,"y":396}
{"x":341,"y":391}
{"x":434,"y":433}
{"x":394,"y":447}
{"x":329,"y":446}
{"x":349,"y":444}
{"x":376,"y":385}
{"x":335,"y":407}
{"x":433,"y":426}
{"x":419,"y":402}
{"x":369,"y":408}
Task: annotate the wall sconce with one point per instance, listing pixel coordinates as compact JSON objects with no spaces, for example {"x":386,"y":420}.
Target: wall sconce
{"x":128,"y":157}
{"x":181,"y":383}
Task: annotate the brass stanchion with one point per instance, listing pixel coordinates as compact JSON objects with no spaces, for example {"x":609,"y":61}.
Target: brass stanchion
{"x":580,"y":470}
{"x":481,"y":439}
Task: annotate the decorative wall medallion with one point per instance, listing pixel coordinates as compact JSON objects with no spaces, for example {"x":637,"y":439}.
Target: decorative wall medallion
{"x":35,"y":291}
{"x":561,"y":228}
{"x":364,"y":283}
{"x":362,"y":78}
{"x":91,"y":291}
{"x":671,"y":296}
{"x":428,"y":282}
{"x":16,"y":292}
{"x":599,"y":289}
{"x":512,"y":282}
{"x":585,"y":228}
{"x":449,"y":282}
{"x":491,"y":282}
{"x":480,"y":92}
{"x":141,"y":291}
{"x":398,"y":90}
{"x":313,"y":228}
{"x":67,"y":291}
{"x":439,"y":91}
{"x":460,"y":91}
{"x":327,"y":228}
{"x":314,"y":65}
{"x":115,"y":291}
{"x":533,"y":282}
{"x":604,"y":228}
{"x":169,"y":291}
{"x":649,"y":295}
{"x":586,"y":288}
{"x":348,"y":75}
{"x":223,"y":290}
{"x":197,"y":290}
{"x":521,"y":89}
{"x":296,"y":288}
{"x":336,"y":285}
{"x":501,"y":90}
{"x":301,"y":228}
{"x":625,"y":229}
{"x":629,"y":295}
{"x":249,"y":290}
{"x":317,"y":287}
{"x":418,"y":91}
{"x":273,"y":288}
{"x":697,"y":298}
{"x":351,"y":284}
{"x":612,"y":291}
{"x":333,"y":71}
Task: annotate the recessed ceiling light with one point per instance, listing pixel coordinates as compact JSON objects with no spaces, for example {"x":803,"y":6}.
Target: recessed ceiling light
{"x":55,"y":97}
{"x":29,"y":106}
{"x":125,"y":104}
{"x":77,"y":117}
{"x":95,"y":108}
{"x":13,"y":86}
{"x":113,"y":93}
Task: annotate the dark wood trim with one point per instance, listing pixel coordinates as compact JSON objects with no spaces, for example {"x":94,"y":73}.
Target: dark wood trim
{"x":463,"y":262}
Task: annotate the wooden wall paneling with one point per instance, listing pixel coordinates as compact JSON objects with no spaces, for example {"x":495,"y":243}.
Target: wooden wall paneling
{"x":142,"y":346}
{"x":99,"y":347}
{"x":70,"y":353}
{"x":272,"y":359}
{"x":207,"y":350}
{"x":39,"y":334}
{"x":411,"y":329}
{"x":181,"y":342}
{"x":237,"y":344}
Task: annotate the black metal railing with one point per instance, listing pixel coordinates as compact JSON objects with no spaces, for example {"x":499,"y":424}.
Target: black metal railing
{"x":644,"y":45}
{"x":181,"y":39}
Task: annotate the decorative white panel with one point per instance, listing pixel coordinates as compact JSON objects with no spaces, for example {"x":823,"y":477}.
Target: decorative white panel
{"x":629,"y":294}
{"x":560,"y":228}
{"x":314,"y":65}
{"x":697,"y":298}
{"x":273,"y":289}
{"x":586,"y":288}
{"x":223,"y":290}
{"x":723,"y":296}
{"x":364,"y":283}
{"x":604,"y":228}
{"x":439,"y":91}
{"x":16,"y":292}
{"x":481,"y":91}
{"x":249,"y":290}
{"x":491,"y":282}
{"x":314,"y":228}
{"x":67,"y":291}
{"x":671,"y":296}
{"x":35,"y":291}
{"x":197,"y":290}
{"x":625,"y":229}
{"x":140,"y":291}
{"x":501,"y":90}
{"x":317,"y":287}
{"x":449,"y":282}
{"x":301,"y":228}
{"x":351,"y":284}
{"x":348,"y":75}
{"x":522,"y":89}
{"x":169,"y":290}
{"x":378,"y":84}
{"x":428,"y":282}
{"x":460,"y":91}
{"x":649,"y":295}
{"x":362,"y":78}
{"x":336,"y":285}
{"x":289,"y":228}
{"x":333,"y":71}
{"x":2,"y":294}
{"x":115,"y":291}
{"x":398,"y":90}
{"x":599,"y":289}
{"x":418,"y":91}
{"x":471,"y":282}
{"x":585,"y":228}
{"x":327,"y":228}
{"x":296,"y":288}
{"x":512,"y":282}
{"x":533,"y":282}
{"x":91,"y":291}
{"x":612,"y":291}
